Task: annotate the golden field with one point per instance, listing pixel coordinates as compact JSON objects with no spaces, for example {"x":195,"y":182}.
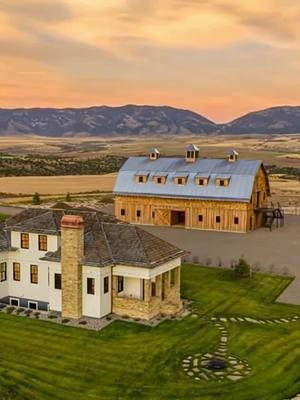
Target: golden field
{"x":273,"y":150}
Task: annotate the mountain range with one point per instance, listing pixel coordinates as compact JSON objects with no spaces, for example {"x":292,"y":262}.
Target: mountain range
{"x":141,"y":120}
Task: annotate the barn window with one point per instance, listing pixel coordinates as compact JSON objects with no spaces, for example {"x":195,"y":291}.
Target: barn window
{"x":200,"y":218}
{"x":159,"y":180}
{"x":236,"y":220}
{"x":153,"y":214}
{"x":218,"y":219}
{"x":141,"y":179}
{"x":138,"y":213}
{"x":123,"y":212}
{"x":222,"y":182}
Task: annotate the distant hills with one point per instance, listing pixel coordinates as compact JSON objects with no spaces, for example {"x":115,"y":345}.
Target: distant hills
{"x":141,"y":120}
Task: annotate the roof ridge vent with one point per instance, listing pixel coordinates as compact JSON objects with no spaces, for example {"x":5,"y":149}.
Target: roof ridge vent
{"x":191,"y":153}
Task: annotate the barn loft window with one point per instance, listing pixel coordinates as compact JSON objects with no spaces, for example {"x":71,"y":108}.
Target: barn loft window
{"x":180,"y":179}
{"x":218,"y":219}
{"x":154,"y":154}
{"x":223,"y":181}
{"x":123,"y":212}
{"x":200,"y":218}
{"x":201,"y":180}
{"x":138,"y":213}
{"x":191,"y":153}
{"x":236,"y":220}
{"x":160,"y":178}
{"x":141,"y":177}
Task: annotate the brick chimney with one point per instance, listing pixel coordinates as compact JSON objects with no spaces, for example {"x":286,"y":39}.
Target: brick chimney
{"x":72,"y":248}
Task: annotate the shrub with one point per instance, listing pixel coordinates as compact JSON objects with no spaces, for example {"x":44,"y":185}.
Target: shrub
{"x":36,"y":201}
{"x":208,"y":261}
{"x":68,"y":197}
{"x":82,"y":322}
{"x":2,"y":306}
{"x":19,"y":310}
{"x":242,"y":269}
{"x":52,"y":316}
{"x":109,"y":318}
{"x":28,"y":312}
{"x":65,"y":321}
{"x":10,"y":309}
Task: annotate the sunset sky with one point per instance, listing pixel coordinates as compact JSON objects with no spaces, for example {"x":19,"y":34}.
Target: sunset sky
{"x":220,"y":58}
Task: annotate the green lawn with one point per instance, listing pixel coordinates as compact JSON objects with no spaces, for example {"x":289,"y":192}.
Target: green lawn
{"x":41,"y":360}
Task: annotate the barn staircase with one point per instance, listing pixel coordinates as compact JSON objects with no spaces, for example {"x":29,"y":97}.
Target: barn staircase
{"x":273,"y":215}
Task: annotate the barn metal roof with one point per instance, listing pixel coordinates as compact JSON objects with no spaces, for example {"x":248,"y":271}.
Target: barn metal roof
{"x":241,"y":172}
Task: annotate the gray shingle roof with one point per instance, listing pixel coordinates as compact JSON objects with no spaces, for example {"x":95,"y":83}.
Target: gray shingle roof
{"x":107,"y":241}
{"x":241,"y":173}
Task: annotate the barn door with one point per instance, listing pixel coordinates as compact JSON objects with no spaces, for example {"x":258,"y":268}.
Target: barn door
{"x":162,"y":217}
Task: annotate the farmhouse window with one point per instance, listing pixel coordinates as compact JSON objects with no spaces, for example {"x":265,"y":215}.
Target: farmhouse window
{"x":200,"y":218}
{"x":120,"y":284}
{"x":123,"y":212}
{"x":106,"y":284}
{"x":218,"y":219}
{"x":43,"y":242}
{"x":90,"y":286}
{"x":16,"y":271}
{"x":57,"y":281}
{"x":34,"y":274}
{"x":3,"y":272}
{"x":25,"y":240}
{"x":138,"y":213}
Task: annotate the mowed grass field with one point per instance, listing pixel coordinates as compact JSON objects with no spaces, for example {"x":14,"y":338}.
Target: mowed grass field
{"x":41,"y":360}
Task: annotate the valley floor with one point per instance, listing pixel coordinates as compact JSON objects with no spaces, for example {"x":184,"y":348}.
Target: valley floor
{"x":40,"y":360}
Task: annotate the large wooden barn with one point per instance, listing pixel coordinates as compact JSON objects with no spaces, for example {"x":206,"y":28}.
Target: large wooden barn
{"x":227,"y":194}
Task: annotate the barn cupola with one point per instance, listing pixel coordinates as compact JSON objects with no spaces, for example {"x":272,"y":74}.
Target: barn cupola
{"x":154,"y":154}
{"x":233,"y":156}
{"x":191,"y":153}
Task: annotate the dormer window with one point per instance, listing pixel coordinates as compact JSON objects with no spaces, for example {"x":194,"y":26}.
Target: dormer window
{"x":223,"y":181}
{"x":202,"y":180}
{"x":160,"y":178}
{"x":154,"y":154}
{"x":180,"y":179}
{"x":192,"y":153}
{"x":141,"y":177}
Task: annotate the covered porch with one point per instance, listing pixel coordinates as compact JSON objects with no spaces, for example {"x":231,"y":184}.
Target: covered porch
{"x":146,"y":297}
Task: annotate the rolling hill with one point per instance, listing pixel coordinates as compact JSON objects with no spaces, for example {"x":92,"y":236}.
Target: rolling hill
{"x":141,"y":120}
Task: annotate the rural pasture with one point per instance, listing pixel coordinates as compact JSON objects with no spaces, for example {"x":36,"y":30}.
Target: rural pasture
{"x":279,"y":150}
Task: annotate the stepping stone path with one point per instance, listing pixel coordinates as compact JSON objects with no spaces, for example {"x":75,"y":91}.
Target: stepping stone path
{"x":196,"y":366}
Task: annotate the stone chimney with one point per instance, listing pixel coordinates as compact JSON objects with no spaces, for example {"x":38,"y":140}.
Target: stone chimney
{"x":72,"y":248}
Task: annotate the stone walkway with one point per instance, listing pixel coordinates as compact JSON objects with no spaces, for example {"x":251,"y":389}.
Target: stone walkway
{"x":197,"y":366}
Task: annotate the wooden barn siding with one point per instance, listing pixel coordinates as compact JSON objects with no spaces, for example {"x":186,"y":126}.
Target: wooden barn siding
{"x":227,"y":210}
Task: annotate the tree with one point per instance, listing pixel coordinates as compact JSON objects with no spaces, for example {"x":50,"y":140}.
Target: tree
{"x":68,"y":197}
{"x":36,"y":199}
{"x":242,"y":269}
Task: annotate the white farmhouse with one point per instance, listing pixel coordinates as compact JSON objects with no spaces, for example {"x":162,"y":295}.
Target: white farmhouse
{"x":82,"y":262}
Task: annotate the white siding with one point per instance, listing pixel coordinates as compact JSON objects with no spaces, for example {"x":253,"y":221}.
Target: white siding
{"x":54,"y":294}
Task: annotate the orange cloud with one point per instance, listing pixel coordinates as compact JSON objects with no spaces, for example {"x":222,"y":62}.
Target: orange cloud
{"x":218,"y":57}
